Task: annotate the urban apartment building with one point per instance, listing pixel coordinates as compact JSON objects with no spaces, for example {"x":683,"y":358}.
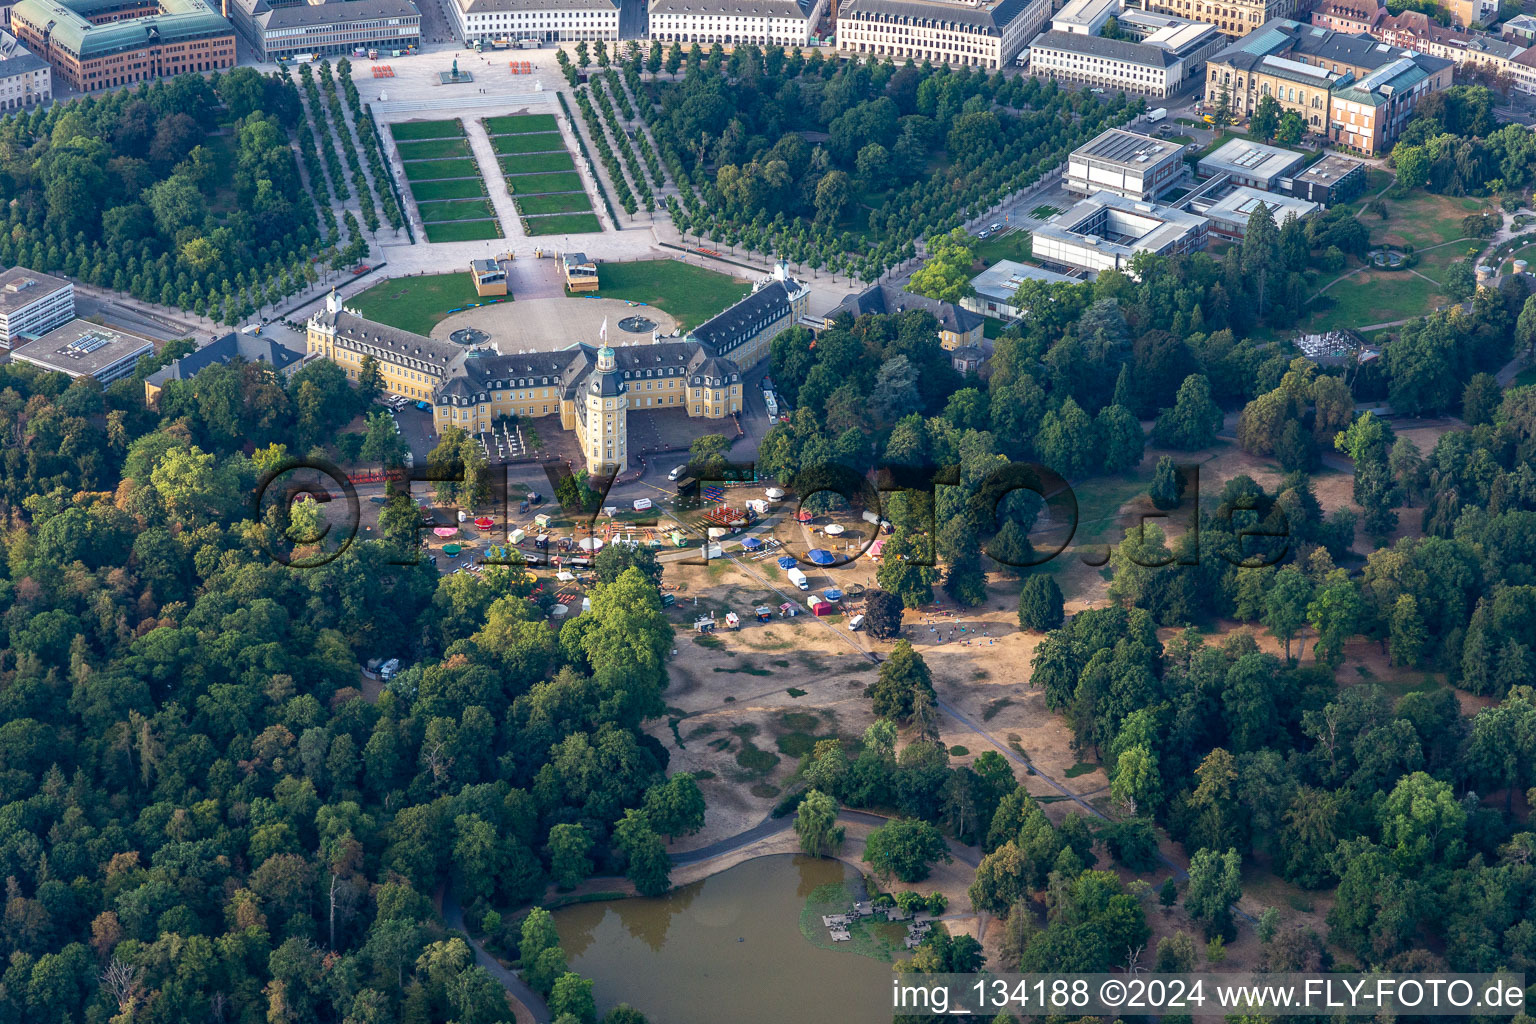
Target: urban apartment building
{"x":25,"y":78}
{"x":1235,"y":18}
{"x":101,"y":44}
{"x":290,"y":27}
{"x":1367,"y":114}
{"x":1301,"y":66}
{"x":972,"y":34}
{"x":32,"y":304}
{"x":1489,"y":54}
{"x":486,"y":21}
{"x":763,"y":22}
{"x":1126,"y":163}
{"x":1353,"y":16}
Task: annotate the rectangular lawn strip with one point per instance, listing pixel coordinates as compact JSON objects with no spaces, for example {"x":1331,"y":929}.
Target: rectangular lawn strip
{"x":555,"y":202}
{"x":521,"y":124}
{"x":415,"y":303}
{"x":467,"y":209}
{"x":462,"y":230}
{"x":564,"y":224}
{"x":1422,"y":219}
{"x":432,"y":148}
{"x":426,"y":129}
{"x":427,"y":170}
{"x":533,"y":184}
{"x":690,"y":294}
{"x":538,"y":142}
{"x":534,"y":163}
{"x":462,"y":188}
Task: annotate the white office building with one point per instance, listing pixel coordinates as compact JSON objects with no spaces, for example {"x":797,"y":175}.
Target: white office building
{"x":763,"y":22}
{"x":960,"y":32}
{"x":83,"y":349}
{"x":1085,"y":17}
{"x":1126,"y":163}
{"x":485,"y":21}
{"x":994,"y":288}
{"x":32,"y":304}
{"x":1229,"y":215}
{"x":1106,"y":231}
{"x":1251,"y":163}
{"x":25,"y":78}
{"x":1076,"y":58}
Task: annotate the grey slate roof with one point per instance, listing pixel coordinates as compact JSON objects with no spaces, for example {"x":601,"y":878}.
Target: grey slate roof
{"x":1113,"y":49}
{"x":497,"y":6}
{"x":22,"y":62}
{"x":247,"y":347}
{"x":743,"y":320}
{"x":885,"y":299}
{"x":335,"y":12}
{"x":366,"y":334}
{"x":988,"y":20}
{"x":736,"y":8}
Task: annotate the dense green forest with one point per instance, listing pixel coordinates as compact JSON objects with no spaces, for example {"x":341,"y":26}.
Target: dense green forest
{"x":203,"y":815}
{"x":183,"y":192}
{"x":846,"y":165}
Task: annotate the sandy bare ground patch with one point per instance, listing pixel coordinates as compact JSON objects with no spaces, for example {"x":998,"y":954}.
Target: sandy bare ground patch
{"x":553,"y":324}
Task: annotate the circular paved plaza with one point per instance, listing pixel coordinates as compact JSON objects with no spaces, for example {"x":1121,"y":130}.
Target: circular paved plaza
{"x":552,"y":324}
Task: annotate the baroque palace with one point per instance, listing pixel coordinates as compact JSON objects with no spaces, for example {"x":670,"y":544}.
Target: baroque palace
{"x":592,"y":389}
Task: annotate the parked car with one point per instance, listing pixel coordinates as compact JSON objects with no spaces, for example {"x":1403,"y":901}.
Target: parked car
{"x":677,"y":471}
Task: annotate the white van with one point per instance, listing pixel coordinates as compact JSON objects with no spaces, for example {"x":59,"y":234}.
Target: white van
{"x":798,"y":579}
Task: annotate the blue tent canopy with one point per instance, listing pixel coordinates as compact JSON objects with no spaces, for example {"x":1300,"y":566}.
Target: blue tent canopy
{"x":833,"y":595}
{"x":820,"y":556}
{"x":787,"y":562}
{"x":751,"y":544}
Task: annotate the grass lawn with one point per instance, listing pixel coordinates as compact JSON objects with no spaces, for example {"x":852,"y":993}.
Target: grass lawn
{"x":415,"y":303}
{"x":427,"y":129}
{"x":521,"y":124}
{"x":1015,"y":245}
{"x":691,"y":294}
{"x":1374,"y":298}
{"x":1422,"y":219}
{"x":1528,"y":254}
{"x":555,"y":202}
{"x":533,"y":163}
{"x":462,"y":188}
{"x":432,"y":148}
{"x":1433,"y":262}
{"x":564,"y":224}
{"x":993,"y":328}
{"x":426,"y":170}
{"x":1526,"y":377}
{"x":533,"y":184}
{"x":464,"y":209}
{"x":538,"y":142}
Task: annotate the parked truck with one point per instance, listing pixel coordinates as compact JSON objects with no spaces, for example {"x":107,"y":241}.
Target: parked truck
{"x":798,"y":579}
{"x":1154,"y":116}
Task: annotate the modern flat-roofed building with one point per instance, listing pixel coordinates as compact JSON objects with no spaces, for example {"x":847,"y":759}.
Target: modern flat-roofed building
{"x":25,"y":78}
{"x":249,"y":347}
{"x":32,"y":304}
{"x":763,"y":22}
{"x":1106,"y":231}
{"x":550,"y":21}
{"x":1333,"y":179}
{"x":962,"y":32}
{"x":102,"y":44}
{"x":288,"y":27}
{"x":1250,"y":163}
{"x":1126,"y":163}
{"x":1229,"y":216}
{"x":1235,"y":18}
{"x":1084,"y":17}
{"x":83,"y":349}
{"x":995,"y":287}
